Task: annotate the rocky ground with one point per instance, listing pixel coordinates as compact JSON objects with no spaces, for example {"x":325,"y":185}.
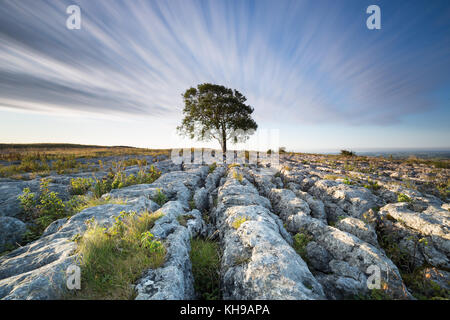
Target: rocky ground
{"x":311,"y":227}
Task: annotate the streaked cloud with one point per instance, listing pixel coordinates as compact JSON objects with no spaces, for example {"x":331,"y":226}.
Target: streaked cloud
{"x":296,"y":61}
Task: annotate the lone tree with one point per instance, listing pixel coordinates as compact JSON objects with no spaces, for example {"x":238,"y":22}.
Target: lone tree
{"x":213,"y":111}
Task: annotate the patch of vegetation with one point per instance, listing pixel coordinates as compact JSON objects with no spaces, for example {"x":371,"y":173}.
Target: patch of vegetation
{"x":372,"y":185}
{"x":417,"y":280}
{"x":422,"y":287}
{"x":241,"y":260}
{"x":212,"y":167}
{"x":301,"y":240}
{"x":111,"y":259}
{"x":331,"y":177}
{"x":183,"y":219}
{"x":347,"y":153}
{"x":347,"y":181}
{"x":79,"y":203}
{"x":238,"y":176}
{"x":116,"y":179}
{"x":349,"y":167}
{"x":403,"y":198}
{"x":160,"y":198}
{"x":237,"y":222}
{"x":80,"y":186}
{"x":205,"y":258}
{"x":45,"y":207}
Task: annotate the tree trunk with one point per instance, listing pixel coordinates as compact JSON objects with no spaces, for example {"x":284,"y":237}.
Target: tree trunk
{"x":224,"y":145}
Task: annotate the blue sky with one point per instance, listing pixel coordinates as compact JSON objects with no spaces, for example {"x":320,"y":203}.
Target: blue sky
{"x":311,"y":69}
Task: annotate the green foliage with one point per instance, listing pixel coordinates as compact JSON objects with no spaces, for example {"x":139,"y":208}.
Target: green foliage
{"x":422,"y":287}
{"x":183,"y":219}
{"x":347,"y":153}
{"x":112,"y":259}
{"x":160,"y":198}
{"x":349,"y":167}
{"x":403,"y":198}
{"x":238,"y":176}
{"x":79,"y":186}
{"x":28,"y":201}
{"x":216,"y":112}
{"x":205,"y":258}
{"x":237,"y":222}
{"x":45,"y":208}
{"x":301,"y":240}
{"x":348,"y":181}
{"x":116,"y":179}
{"x":212,"y":167}
{"x":372,"y":185}
{"x":79,"y":203}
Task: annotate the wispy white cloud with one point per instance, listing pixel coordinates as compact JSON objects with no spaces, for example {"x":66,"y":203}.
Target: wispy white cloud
{"x":296,"y":61}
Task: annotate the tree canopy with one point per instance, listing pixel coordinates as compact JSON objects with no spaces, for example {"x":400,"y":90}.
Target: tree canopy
{"x":213,"y":111}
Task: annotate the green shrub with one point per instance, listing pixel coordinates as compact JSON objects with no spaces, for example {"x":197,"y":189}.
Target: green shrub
{"x":212,"y":167}
{"x":372,"y":185}
{"x":112,"y":259}
{"x":347,"y":153}
{"x":300,"y":242}
{"x":183,"y":219}
{"x":116,"y":179}
{"x":160,"y":198}
{"x":348,"y":181}
{"x":45,"y":208}
{"x":79,"y":186}
{"x":205,"y":258}
{"x":403,"y":198}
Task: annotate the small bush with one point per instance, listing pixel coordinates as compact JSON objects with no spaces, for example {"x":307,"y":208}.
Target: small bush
{"x":45,"y":208}
{"x":348,"y":181}
{"x":212,"y":167}
{"x":300,"y":242}
{"x":160,"y":198}
{"x":372,"y":185}
{"x":205,"y":258}
{"x":183,"y":219}
{"x":403,"y":198}
{"x":79,"y":186}
{"x":347,"y":153}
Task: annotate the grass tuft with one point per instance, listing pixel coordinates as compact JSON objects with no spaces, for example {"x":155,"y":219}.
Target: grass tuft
{"x":112,"y":259}
{"x":205,"y":258}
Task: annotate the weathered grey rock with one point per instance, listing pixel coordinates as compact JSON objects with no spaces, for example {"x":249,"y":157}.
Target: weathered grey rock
{"x":11,"y":232}
{"x":201,"y":199}
{"x":358,"y":228}
{"x":341,"y":247}
{"x":54,"y":226}
{"x":347,"y":248}
{"x":37,"y":270}
{"x":353,"y":201}
{"x":258,"y":261}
